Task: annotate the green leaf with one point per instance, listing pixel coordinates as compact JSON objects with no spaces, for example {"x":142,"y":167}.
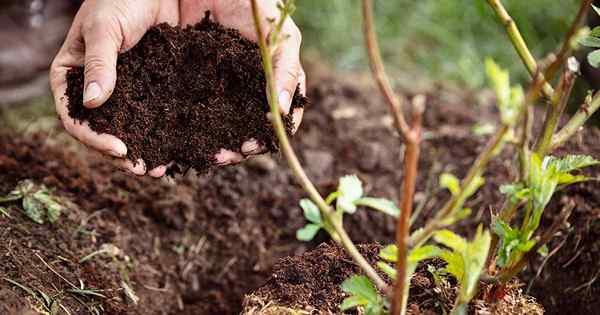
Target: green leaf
{"x":450,"y":240}
{"x":475,"y":256}
{"x":543,"y":251}
{"x":424,"y":252}
{"x":389,"y":253}
{"x":595,"y":32}
{"x":53,"y":208}
{"x":350,"y":189}
{"x":472,"y":188}
{"x":34,"y":209}
{"x":456,"y":216}
{"x":418,"y":254}
{"x":12,"y":196}
{"x":311,"y":212}
{"x":516,"y":192}
{"x":308,"y":232}
{"x":352,"y":302}
{"x":363,"y":293}
{"x":389,"y":270}
{"x":454,"y":264}
{"x":594,"y":58}
{"x":381,"y":204}
{"x":596,"y":9}
{"x":568,"y":179}
{"x":450,"y":182}
{"x":509,"y":99}
{"x":590,"y":41}
{"x":571,"y":162}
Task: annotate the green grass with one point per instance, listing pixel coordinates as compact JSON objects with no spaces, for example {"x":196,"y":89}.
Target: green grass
{"x":438,"y":39}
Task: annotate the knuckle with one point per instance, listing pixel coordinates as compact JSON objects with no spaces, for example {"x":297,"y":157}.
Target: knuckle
{"x":94,"y":64}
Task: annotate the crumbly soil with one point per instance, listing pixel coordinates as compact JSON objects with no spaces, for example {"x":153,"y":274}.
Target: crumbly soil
{"x":199,"y":244}
{"x":310,"y":283}
{"x":182,"y":95}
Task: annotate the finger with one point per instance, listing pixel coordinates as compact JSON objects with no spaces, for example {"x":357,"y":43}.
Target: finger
{"x":104,"y":143}
{"x":226,"y":157}
{"x":302,"y":81}
{"x":158,"y":171}
{"x":103,"y":39}
{"x":287,"y":66}
{"x":252,"y":147}
{"x":138,"y":168}
{"x":192,"y":11}
{"x":297,"y":118}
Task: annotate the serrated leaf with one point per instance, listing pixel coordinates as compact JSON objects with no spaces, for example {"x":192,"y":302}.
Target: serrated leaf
{"x":595,"y":32}
{"x":516,"y":192}
{"x":380,"y":204}
{"x":308,"y":232}
{"x":571,"y":162}
{"x":34,"y":209}
{"x":450,"y":182}
{"x":424,"y":252}
{"x":454,"y":264}
{"x":389,"y":270}
{"x":475,"y":256}
{"x":352,"y":302}
{"x":389,"y":253}
{"x":450,"y":240}
{"x":53,"y":208}
{"x":568,"y":179}
{"x":590,"y":41}
{"x":594,"y":58}
{"x":509,"y":99}
{"x":350,"y":189}
{"x":311,"y":211}
{"x":364,"y":291}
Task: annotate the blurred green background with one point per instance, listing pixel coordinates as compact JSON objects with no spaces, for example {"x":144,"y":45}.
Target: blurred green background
{"x":434,"y":39}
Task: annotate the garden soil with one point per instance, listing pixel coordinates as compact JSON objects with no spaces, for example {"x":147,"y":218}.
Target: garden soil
{"x":199,"y":244}
{"x":182,"y":95}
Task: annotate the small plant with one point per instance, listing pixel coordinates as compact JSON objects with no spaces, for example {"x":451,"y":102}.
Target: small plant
{"x":493,"y":258}
{"x":37,"y":201}
{"x":592,"y":40}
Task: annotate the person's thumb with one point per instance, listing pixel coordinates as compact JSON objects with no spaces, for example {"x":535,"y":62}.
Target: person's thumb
{"x":287,"y":69}
{"x":102,"y":45}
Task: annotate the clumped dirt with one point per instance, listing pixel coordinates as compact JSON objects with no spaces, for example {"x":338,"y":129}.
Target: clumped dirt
{"x":312,"y":280}
{"x":311,"y":283}
{"x":183,"y":94}
{"x":199,"y":245}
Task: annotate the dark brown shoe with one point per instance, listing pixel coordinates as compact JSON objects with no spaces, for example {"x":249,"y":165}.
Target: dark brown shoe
{"x":31,"y":32}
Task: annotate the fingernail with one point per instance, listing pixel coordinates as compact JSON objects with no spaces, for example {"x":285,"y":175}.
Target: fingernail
{"x":284,"y":101}
{"x":115,"y":153}
{"x":92,"y":92}
{"x":250,"y":147}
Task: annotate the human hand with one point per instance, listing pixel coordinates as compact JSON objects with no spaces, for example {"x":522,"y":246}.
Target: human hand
{"x":102,"y":29}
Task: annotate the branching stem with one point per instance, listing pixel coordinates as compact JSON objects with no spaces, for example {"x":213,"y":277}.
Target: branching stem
{"x":293,"y":161}
{"x":581,"y":116}
{"x":519,"y":43}
{"x":555,"y":110}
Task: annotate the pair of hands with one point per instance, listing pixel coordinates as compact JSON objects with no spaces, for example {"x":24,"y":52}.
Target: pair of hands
{"x":103,"y":29}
